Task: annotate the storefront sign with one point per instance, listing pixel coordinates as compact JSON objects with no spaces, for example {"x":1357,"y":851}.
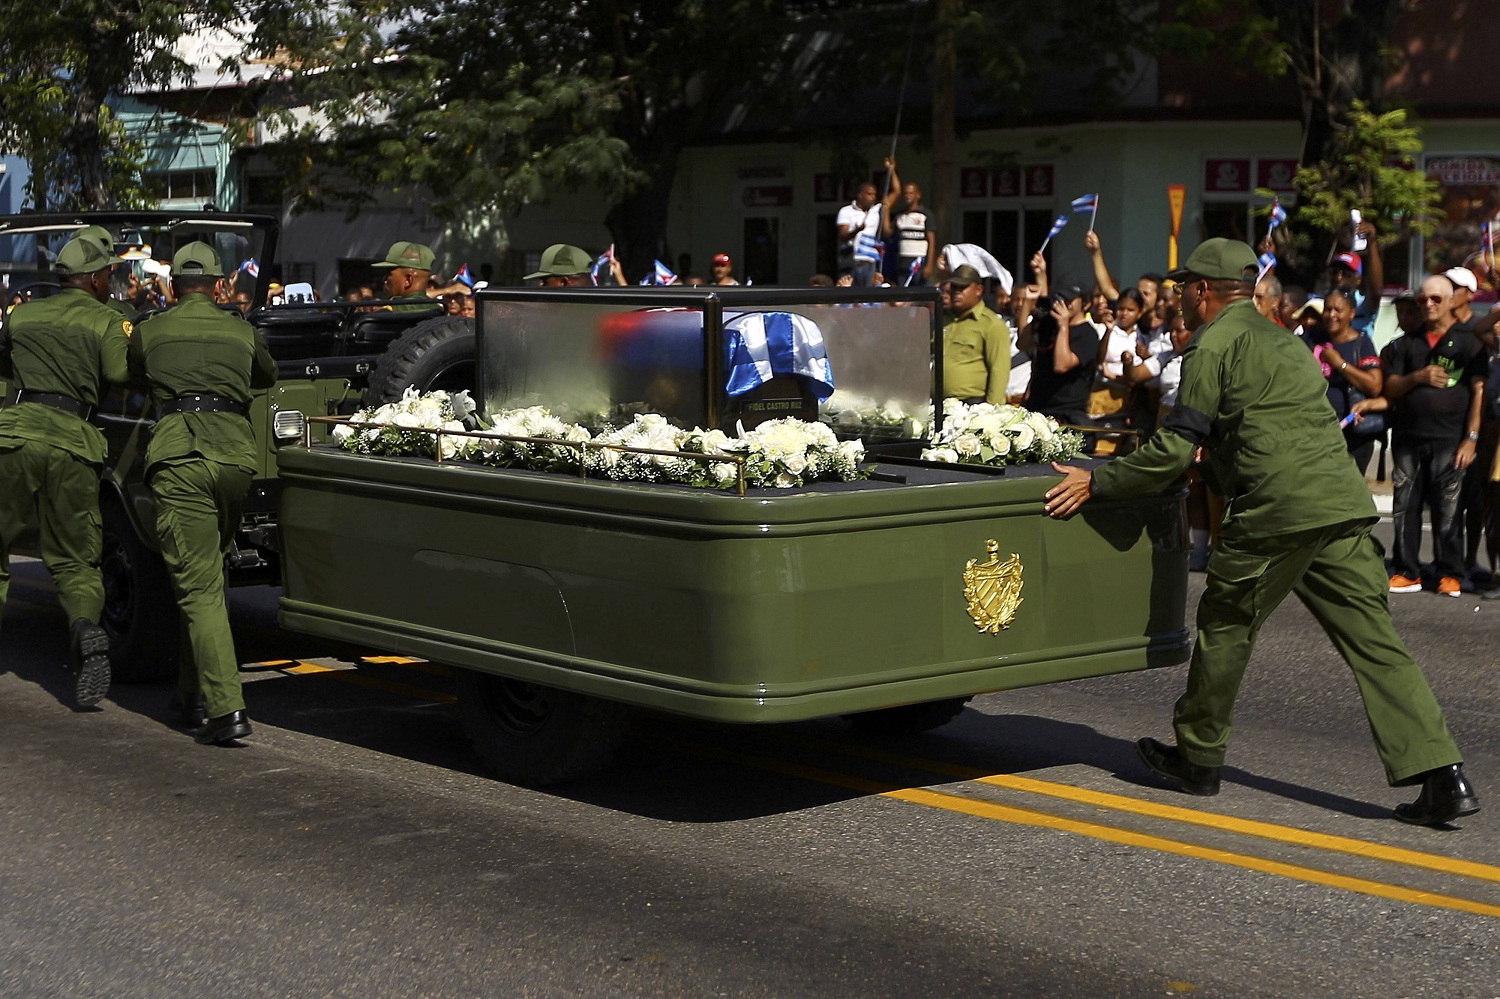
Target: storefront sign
{"x":1276,"y":175}
{"x":1222,"y":176}
{"x":1039,"y":180}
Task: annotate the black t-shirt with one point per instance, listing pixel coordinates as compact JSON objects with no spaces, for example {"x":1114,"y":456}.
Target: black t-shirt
{"x":1428,"y":413}
{"x":1064,"y":397}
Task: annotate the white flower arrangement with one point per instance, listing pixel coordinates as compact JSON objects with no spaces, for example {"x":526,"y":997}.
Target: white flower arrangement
{"x":399,"y":425}
{"x":983,"y":434}
{"x":532,"y":421}
{"x":777,"y":454}
{"x":848,"y":412}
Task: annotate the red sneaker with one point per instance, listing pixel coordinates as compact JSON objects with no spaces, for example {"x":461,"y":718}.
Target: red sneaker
{"x":1450,"y":587}
{"x":1404,"y":584}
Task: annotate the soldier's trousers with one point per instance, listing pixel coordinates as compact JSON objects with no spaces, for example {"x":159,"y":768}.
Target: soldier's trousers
{"x":198,"y":504}
{"x":1339,"y":574}
{"x":62,"y":490}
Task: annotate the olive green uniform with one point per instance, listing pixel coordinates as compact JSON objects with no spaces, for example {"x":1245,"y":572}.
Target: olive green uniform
{"x":976,"y":356}
{"x":199,"y":466}
{"x":1297,"y":520}
{"x":65,"y":345}
{"x":420,"y":303}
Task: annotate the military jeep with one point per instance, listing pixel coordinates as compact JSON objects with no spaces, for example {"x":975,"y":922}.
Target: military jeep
{"x":332,"y":358}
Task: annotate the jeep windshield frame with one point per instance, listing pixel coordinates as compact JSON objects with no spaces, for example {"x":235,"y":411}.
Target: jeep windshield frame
{"x":252,"y":237}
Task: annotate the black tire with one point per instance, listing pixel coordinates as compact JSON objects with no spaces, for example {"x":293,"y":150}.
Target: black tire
{"x":434,"y":354}
{"x":140,"y":612}
{"x":534,"y":735}
{"x":908,"y":719}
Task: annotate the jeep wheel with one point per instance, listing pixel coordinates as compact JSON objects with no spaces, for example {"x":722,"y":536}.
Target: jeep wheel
{"x":908,"y":719}
{"x":140,"y":612}
{"x":535,"y":735}
{"x":435,"y":354}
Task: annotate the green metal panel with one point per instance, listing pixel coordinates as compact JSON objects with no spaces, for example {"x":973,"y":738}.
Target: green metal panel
{"x":770,"y":607}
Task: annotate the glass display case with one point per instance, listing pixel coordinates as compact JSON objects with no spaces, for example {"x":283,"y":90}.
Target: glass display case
{"x":862,"y":360}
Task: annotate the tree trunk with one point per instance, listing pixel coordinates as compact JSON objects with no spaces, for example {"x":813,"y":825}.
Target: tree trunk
{"x":87,"y":147}
{"x":944,"y":81}
{"x":638,"y":224}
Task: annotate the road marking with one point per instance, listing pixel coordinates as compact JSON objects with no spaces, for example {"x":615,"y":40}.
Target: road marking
{"x":1110,"y":834}
{"x":1175,"y":813}
{"x":374,"y":683}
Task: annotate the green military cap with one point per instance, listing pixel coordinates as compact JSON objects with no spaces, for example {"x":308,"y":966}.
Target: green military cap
{"x":197,"y":260}
{"x":83,"y":256}
{"x":414,"y":256}
{"x":562,"y":260}
{"x":1220,"y":259}
{"x":98,"y":234}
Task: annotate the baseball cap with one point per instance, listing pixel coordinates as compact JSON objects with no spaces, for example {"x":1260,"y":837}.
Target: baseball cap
{"x":197,"y":260}
{"x":83,"y":256}
{"x":1219,"y":259}
{"x":414,"y":256}
{"x":1067,"y":290}
{"x":722,"y":258}
{"x":1462,"y":277}
{"x":1349,"y":262}
{"x":964,"y":275}
{"x":562,"y":260}
{"x":1314,"y":305}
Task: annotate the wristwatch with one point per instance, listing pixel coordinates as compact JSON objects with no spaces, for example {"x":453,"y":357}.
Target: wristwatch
{"x":1472,"y":435}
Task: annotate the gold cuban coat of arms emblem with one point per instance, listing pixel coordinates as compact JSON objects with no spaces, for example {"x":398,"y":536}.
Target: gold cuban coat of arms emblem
{"x":993,"y":589}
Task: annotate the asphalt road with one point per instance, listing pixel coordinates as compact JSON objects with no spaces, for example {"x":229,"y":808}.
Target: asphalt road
{"x":354,"y":847}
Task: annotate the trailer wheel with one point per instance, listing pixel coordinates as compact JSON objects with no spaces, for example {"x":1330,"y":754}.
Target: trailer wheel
{"x":434,"y":354}
{"x":908,"y":719}
{"x":140,"y":613}
{"x":530,"y":734}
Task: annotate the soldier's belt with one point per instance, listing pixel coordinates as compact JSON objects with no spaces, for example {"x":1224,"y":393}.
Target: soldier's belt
{"x":57,"y":400}
{"x":202,"y":404}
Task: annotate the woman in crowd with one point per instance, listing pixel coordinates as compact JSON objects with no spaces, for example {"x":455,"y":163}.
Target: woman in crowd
{"x":1351,"y":364}
{"x":1110,"y":399}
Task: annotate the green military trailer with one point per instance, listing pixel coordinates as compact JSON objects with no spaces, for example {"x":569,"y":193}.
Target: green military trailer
{"x":563,"y":601}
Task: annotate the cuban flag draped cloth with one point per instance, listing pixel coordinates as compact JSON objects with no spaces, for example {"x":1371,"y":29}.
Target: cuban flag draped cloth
{"x":761,"y":345}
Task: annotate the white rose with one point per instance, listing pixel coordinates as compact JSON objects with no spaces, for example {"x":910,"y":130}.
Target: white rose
{"x":404,"y":419}
{"x":1000,"y":444}
{"x":967,"y":445}
{"x":726,"y":473}
{"x":946,"y":454}
{"x":341,"y":433}
{"x":785,"y":481}
{"x":796,"y":465}
{"x":1024,"y":435}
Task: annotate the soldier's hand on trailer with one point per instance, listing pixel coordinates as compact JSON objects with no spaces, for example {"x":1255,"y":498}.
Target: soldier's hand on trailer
{"x":1071,"y":493}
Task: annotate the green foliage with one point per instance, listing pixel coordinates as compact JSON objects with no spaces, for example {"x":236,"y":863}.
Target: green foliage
{"x":61,"y":61}
{"x":1372,"y":166}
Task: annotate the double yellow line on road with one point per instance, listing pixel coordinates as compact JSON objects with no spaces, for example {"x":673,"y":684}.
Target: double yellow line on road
{"x":981,"y":808}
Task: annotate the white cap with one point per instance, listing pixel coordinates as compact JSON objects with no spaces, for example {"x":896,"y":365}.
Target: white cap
{"x":1462,"y":277}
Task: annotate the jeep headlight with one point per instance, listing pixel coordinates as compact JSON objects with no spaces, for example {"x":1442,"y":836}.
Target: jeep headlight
{"x":288,"y":425}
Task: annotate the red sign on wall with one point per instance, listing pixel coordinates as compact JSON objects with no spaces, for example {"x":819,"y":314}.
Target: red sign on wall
{"x":1275,"y":174}
{"x":973,"y":182}
{"x":1226,"y":176}
{"x":1039,"y":180}
{"x":1007,"y":183}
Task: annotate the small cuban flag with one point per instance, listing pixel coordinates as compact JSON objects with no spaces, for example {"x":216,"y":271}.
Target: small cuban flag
{"x":464,"y":277}
{"x":914,"y":272}
{"x":660,"y":274}
{"x":1087,"y":203}
{"x":1267,"y":262}
{"x":761,"y":345}
{"x":1057,"y":227}
{"x":251,"y":267}
{"x":601,"y":263}
{"x":1278,"y":216}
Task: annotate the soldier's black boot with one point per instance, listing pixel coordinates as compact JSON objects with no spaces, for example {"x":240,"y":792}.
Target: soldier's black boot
{"x":189,"y":709}
{"x":1167,"y":761}
{"x":225,"y":728}
{"x":1446,"y":795}
{"x":91,"y":660}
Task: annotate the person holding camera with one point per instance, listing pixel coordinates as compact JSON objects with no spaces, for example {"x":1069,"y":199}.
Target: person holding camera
{"x":1067,"y":349}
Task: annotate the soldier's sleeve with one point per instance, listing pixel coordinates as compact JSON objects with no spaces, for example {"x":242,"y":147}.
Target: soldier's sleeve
{"x":6,"y":369}
{"x":263,"y":371}
{"x":135,"y":357}
{"x":114,"y":349}
{"x":997,"y":362}
{"x":1164,"y":458}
